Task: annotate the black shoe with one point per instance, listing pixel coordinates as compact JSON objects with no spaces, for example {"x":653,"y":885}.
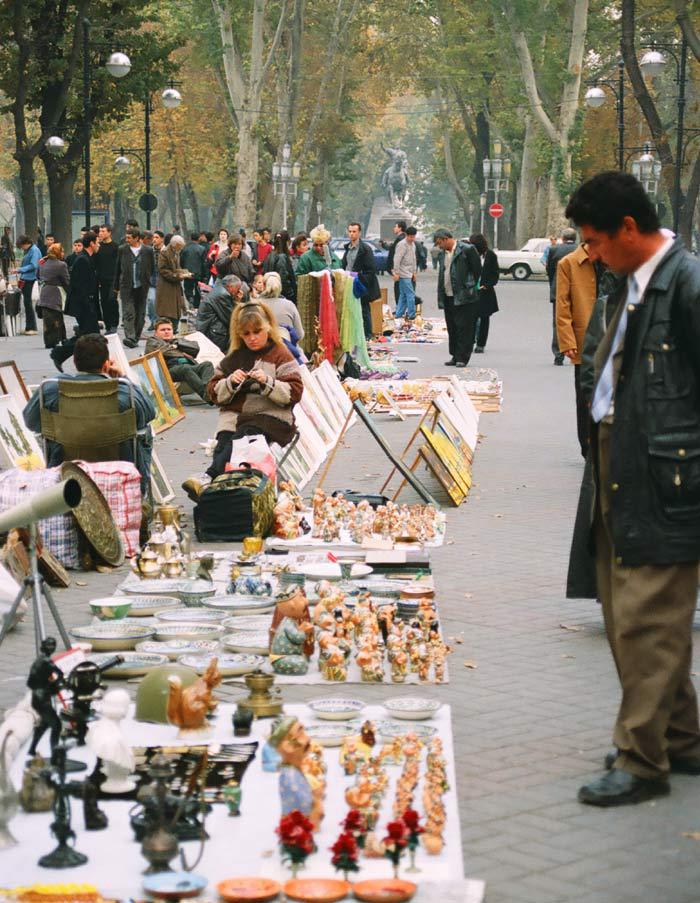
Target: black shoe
{"x":559,"y":360}
{"x":610,"y":758}
{"x":451,"y":363}
{"x":129,"y":343}
{"x":460,"y":364}
{"x":58,"y":364}
{"x":478,"y":350}
{"x":620,"y":788}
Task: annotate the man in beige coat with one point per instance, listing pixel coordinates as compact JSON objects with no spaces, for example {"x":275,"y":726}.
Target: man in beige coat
{"x":170,"y":296}
{"x":577,"y":288}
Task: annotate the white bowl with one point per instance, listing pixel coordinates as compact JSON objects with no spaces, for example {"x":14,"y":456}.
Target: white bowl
{"x":336,"y":708}
{"x":188,"y":631}
{"x":228,"y":663}
{"x":331,"y":734}
{"x":239,"y":605}
{"x":411,"y":708}
{"x":111,"y":608}
{"x":190,"y":615}
{"x":329,"y":570}
{"x":173,"y":649}
{"x":147,"y":606}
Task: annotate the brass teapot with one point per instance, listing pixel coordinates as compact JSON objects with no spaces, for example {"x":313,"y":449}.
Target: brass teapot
{"x":148,"y":564}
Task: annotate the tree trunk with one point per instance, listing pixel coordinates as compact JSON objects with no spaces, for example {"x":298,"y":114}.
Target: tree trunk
{"x":40,"y":209}
{"x":245,"y":201}
{"x":685,"y":225}
{"x":28,"y":195}
{"x":219,"y":212}
{"x":194,"y":206}
{"x":61,"y":181}
{"x":170,"y":194}
{"x":120,"y":215}
{"x":527,"y":187}
{"x":181,"y":215}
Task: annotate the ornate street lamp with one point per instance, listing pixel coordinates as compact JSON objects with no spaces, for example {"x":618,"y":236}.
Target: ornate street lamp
{"x":56,"y":146}
{"x":285,"y":179}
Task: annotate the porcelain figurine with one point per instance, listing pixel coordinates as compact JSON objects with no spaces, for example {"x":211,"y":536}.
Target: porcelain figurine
{"x":291,"y":633}
{"x":37,"y":793}
{"x":290,"y":740}
{"x":188,"y":708}
{"x":232,"y":793}
{"x":106,"y":740}
{"x":438,"y":652}
{"x":369,"y":661}
{"x":399,"y":666}
{"x":252,"y":586}
{"x":45,"y":681}
{"x":352,"y":754}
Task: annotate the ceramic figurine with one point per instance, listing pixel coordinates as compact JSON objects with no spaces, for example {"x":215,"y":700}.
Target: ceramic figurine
{"x":45,"y":681}
{"x":242,"y":720}
{"x":438,"y":652}
{"x":252,"y":586}
{"x":399,"y":666}
{"x":369,"y":660}
{"x":232,"y":793}
{"x":290,"y":740}
{"x":351,"y":754}
{"x":291,"y":633}
{"x":37,"y":793}
{"x":106,"y":740}
{"x":188,"y":708}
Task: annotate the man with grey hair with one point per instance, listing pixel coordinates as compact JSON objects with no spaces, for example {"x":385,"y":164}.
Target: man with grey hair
{"x":557,"y":253}
{"x":170,"y":297}
{"x":216,"y":307}
{"x":459,"y":270}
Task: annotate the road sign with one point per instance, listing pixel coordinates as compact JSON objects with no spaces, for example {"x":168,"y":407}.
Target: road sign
{"x":148,"y":202}
{"x":496,"y":210}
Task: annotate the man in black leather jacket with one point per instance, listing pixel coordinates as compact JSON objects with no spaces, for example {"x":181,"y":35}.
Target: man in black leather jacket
{"x":645,"y":447}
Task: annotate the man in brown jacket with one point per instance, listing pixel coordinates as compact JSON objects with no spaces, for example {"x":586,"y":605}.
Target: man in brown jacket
{"x":577,"y":288}
{"x":170,"y":296}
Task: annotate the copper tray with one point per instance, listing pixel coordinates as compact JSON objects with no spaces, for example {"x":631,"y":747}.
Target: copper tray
{"x":94,"y":516}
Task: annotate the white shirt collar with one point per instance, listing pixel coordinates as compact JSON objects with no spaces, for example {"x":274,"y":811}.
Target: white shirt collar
{"x":644,"y":273}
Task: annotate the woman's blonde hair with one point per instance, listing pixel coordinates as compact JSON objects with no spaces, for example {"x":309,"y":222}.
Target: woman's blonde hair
{"x":273,"y":285}
{"x":256,"y":315}
{"x":55,"y":251}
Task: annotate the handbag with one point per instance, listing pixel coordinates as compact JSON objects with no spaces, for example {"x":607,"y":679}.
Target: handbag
{"x":35,"y":291}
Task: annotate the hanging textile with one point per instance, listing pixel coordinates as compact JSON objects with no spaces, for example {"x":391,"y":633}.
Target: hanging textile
{"x":339,"y":279}
{"x":308,"y":300}
{"x":352,"y":334}
{"x":328,"y":322}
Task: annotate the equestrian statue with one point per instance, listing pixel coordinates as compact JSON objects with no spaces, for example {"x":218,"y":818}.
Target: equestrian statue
{"x":395,"y":178}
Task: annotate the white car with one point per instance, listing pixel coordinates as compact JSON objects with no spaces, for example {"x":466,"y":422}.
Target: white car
{"x":523,"y":263}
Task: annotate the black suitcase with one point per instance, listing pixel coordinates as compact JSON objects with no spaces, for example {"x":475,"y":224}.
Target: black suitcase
{"x":235,"y":505}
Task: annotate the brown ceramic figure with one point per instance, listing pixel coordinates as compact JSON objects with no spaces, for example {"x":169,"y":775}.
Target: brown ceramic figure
{"x":188,"y":708}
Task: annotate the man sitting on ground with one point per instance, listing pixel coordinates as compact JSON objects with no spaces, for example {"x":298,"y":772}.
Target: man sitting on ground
{"x":180,"y":357}
{"x":92,"y":361}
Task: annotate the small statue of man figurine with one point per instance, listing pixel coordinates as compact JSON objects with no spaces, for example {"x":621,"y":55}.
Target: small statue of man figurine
{"x":106,"y":740}
{"x":45,"y":681}
{"x":291,"y":633}
{"x":439,"y":650}
{"x":292,"y":743}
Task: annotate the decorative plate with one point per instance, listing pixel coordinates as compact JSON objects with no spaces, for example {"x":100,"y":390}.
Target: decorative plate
{"x":94,"y":516}
{"x":390,"y":729}
{"x":329,"y":570}
{"x":336,"y":708}
{"x":174,"y":885}
{"x":248,"y":890}
{"x":317,"y":890}
{"x":191,"y":615}
{"x":389,"y":588}
{"x":112,"y":635}
{"x":384,"y":890}
{"x":110,"y":608}
{"x":242,"y":605}
{"x":135,"y":664}
{"x":411,"y":708}
{"x":255,"y":623}
{"x":187,"y":631}
{"x":331,"y":734}
{"x":253,"y":642}
{"x":175,"y":648}
{"x":167,"y":586}
{"x":229,"y":663}
{"x":417,"y":591}
{"x":146,"y":606}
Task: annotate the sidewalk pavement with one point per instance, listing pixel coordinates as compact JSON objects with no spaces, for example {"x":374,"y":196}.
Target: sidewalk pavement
{"x":533,"y":689}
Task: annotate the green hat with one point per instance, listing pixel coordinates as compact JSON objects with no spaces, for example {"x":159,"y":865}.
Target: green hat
{"x":280,"y":730}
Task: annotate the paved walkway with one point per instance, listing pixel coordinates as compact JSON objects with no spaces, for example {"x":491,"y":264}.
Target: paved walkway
{"x":533,"y":719}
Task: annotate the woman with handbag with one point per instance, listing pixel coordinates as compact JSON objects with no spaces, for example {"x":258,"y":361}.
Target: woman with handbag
{"x":55,"y":281}
{"x":28,"y":272}
{"x":486,"y":301}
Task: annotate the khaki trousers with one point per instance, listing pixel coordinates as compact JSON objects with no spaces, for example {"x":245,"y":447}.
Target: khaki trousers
{"x":648,"y":614}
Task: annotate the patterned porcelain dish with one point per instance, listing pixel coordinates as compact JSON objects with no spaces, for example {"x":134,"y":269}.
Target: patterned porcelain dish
{"x":190,"y":592}
{"x":110,"y":608}
{"x":112,"y":636}
{"x":256,"y":623}
{"x":332,"y":734}
{"x":336,"y":708}
{"x":191,"y":615}
{"x":229,"y":663}
{"x":328,"y":570}
{"x":387,"y":730}
{"x":388,"y":588}
{"x":411,"y":708}
{"x":173,"y":649}
{"x":146,"y":606}
{"x":239,"y":605}
{"x":135,"y":664}
{"x":248,"y":890}
{"x":186,"y":631}
{"x":253,"y":642}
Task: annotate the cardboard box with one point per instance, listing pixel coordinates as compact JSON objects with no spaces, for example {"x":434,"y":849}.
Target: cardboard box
{"x":376,"y":310}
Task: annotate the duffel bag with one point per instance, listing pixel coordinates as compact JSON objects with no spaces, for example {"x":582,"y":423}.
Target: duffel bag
{"x":235,"y":505}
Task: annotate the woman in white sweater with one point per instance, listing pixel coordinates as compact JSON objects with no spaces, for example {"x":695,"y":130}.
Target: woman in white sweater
{"x":285,"y":312}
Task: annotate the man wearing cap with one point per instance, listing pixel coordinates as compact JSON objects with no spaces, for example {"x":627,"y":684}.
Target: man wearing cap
{"x":292,"y":743}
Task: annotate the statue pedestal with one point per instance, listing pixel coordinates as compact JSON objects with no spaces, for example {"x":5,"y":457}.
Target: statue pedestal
{"x":383,"y":217}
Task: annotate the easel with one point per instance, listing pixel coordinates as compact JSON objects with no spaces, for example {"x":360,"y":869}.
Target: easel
{"x":430,"y":410}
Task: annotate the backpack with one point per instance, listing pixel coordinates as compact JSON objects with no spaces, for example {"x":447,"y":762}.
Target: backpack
{"x":235,"y":505}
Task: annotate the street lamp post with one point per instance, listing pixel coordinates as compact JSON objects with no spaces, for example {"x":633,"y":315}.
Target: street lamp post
{"x":595,"y":97}
{"x":648,"y":170}
{"x":285,"y":179}
{"x":319,"y":210}
{"x":306,"y":199}
{"x":496,"y":178}
{"x":471,"y":217}
{"x":482,"y":206}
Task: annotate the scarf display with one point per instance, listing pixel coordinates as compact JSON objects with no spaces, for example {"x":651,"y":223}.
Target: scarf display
{"x":352,"y":330}
{"x":328,"y":321}
{"x":308,"y":301}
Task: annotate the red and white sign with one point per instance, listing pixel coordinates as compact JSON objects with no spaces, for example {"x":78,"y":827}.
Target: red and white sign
{"x":496,"y":210}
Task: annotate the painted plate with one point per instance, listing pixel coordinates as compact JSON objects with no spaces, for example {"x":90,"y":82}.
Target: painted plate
{"x":229,"y":663}
{"x":112,"y":635}
{"x":173,"y":649}
{"x":336,"y":708}
{"x":167,"y":586}
{"x":390,"y":729}
{"x":317,"y":890}
{"x":242,"y":605}
{"x":328,"y":570}
{"x":411,"y":708}
{"x":389,"y":588}
{"x":146,"y":606}
{"x":248,"y":890}
{"x":135,"y":664}
{"x":384,"y":890}
{"x":190,"y":615}
{"x":331,"y":734}
{"x":174,"y":885}
{"x":255,"y":623}
{"x":253,"y":642}
{"x":188,"y":631}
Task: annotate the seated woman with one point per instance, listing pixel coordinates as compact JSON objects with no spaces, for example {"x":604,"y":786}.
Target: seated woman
{"x":255,"y":386}
{"x":286,"y":313}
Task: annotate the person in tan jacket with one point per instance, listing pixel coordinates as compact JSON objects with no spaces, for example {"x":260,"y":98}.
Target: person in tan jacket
{"x":577,"y":288}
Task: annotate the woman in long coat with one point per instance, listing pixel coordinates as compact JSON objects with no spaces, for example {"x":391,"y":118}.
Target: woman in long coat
{"x":170,"y":297}
{"x":486,"y":301}
{"x":53,"y":273}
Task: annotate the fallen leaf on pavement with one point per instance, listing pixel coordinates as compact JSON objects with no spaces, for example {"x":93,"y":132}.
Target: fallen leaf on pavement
{"x":571,"y":627}
{"x":469,"y":595}
{"x":691,"y":835}
{"x":103,"y":569}
{"x":80,"y":583}
{"x":568,"y":656}
{"x":472,"y":665}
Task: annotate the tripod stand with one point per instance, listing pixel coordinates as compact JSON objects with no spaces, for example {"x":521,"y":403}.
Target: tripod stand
{"x":38,"y":586}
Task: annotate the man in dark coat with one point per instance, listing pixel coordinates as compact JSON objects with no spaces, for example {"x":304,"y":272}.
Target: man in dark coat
{"x":105,"y":261}
{"x":557,"y":253}
{"x":82,"y":299}
{"x":193,"y":258}
{"x":400,"y":233}
{"x":214,"y":313}
{"x":459,"y":269}
{"x":132,"y":280}
{"x":359,"y":258}
{"x":645,"y":522}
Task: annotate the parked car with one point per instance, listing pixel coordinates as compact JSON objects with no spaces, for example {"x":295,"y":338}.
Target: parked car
{"x":523,"y":263}
{"x":381,"y":255}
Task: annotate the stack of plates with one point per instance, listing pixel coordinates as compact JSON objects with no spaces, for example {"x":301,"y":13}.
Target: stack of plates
{"x":249,"y":642}
{"x":112,"y":635}
{"x":228,"y":663}
{"x":187,"y":631}
{"x":189,"y":615}
{"x":239,"y":605}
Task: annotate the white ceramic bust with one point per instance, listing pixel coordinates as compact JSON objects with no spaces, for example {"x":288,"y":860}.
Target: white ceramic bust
{"x":105,"y":739}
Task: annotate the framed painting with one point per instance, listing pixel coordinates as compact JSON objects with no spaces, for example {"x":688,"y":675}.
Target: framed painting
{"x":438,"y":469}
{"x":18,"y":444}
{"x":153,"y":377}
{"x":12,"y":384}
{"x":160,"y":484}
{"x":454,"y":462}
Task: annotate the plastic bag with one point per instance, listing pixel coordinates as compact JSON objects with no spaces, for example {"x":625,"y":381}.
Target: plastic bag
{"x":35,"y":291}
{"x":253,"y":451}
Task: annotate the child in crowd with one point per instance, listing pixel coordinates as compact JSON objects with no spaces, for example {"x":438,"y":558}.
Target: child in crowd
{"x":257,"y":286}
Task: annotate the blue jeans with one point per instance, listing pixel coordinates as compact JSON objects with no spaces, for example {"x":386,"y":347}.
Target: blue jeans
{"x":151,"y":306}
{"x":406,"y":306}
